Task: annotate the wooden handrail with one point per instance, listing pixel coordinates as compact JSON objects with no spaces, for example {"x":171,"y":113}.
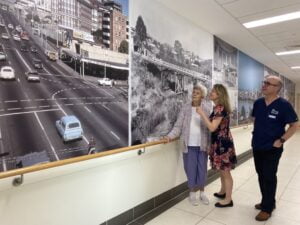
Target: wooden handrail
{"x":63,"y":162}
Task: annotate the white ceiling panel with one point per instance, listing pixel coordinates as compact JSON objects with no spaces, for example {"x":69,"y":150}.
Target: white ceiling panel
{"x":216,"y":17}
{"x":265,"y":14}
{"x":244,"y":8}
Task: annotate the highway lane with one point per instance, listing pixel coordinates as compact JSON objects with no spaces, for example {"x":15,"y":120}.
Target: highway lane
{"x":102,"y":111}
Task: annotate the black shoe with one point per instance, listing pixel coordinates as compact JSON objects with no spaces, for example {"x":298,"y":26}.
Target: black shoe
{"x":219,"y":205}
{"x":258,"y":206}
{"x":221,"y":196}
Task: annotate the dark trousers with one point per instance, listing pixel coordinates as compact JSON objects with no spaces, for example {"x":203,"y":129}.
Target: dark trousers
{"x":266,"y":164}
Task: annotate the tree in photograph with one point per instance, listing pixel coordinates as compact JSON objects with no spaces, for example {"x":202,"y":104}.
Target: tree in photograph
{"x":243,"y":113}
{"x":123,"y":47}
{"x":36,"y":18}
{"x":97,"y":35}
{"x":141,"y":32}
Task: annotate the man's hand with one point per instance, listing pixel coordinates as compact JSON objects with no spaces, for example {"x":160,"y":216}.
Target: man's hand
{"x":277,"y":144}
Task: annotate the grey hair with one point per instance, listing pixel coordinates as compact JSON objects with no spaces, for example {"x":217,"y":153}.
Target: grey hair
{"x":203,"y":89}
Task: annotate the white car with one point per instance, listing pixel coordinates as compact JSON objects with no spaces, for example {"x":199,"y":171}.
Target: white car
{"x":2,"y":56}
{"x":16,"y":37}
{"x":5,"y":36}
{"x":105,"y":82}
{"x":32,"y":76}
{"x":7,"y":73}
{"x":10,"y":26}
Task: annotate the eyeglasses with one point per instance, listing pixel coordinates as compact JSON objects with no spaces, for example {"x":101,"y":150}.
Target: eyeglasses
{"x":267,"y":83}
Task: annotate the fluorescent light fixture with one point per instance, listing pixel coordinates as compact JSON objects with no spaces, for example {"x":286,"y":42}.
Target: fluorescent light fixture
{"x":288,"y":52}
{"x":295,"y":67}
{"x":274,"y":19}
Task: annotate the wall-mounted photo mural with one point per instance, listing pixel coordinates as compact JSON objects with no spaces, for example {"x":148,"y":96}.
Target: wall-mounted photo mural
{"x":250,"y":77}
{"x":225,"y":72}
{"x":289,"y":90}
{"x":169,"y":54}
{"x":63,"y":92}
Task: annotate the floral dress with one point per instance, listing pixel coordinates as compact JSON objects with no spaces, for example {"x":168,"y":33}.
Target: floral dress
{"x":222,"y":153}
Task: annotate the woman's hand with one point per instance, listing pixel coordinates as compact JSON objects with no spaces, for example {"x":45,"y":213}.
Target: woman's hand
{"x":199,"y":111}
{"x":166,"y":139}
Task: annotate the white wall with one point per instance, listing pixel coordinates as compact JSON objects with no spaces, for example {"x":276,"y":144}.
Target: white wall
{"x":96,"y":190}
{"x":297,"y":106}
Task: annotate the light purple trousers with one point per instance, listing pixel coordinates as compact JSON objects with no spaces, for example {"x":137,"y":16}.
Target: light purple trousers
{"x":195,"y":166}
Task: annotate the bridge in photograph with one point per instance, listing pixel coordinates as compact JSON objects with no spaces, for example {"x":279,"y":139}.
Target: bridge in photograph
{"x":176,"y":68}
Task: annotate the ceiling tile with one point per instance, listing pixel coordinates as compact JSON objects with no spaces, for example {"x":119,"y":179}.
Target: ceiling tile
{"x":244,"y":8}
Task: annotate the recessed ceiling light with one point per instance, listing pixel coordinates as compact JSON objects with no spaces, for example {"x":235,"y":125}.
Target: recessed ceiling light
{"x":274,"y":19}
{"x":295,"y":67}
{"x":288,"y":52}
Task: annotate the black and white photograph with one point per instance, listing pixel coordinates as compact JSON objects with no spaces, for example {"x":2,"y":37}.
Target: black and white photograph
{"x":289,"y":90}
{"x":63,"y":79}
{"x":169,"y":55}
{"x":251,"y":75}
{"x":225,"y":72}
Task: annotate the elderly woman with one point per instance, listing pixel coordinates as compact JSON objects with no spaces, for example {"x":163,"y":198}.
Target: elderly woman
{"x":195,"y":137}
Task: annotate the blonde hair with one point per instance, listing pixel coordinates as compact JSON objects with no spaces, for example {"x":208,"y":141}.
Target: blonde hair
{"x":202,"y":88}
{"x":223,"y":97}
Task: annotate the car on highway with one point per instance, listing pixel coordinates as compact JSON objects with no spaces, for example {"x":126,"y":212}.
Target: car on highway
{"x":24,"y":48}
{"x":105,"y":82}
{"x":69,"y":128}
{"x":32,"y":76}
{"x":19,"y":28}
{"x":37,"y":64}
{"x":5,"y":36}
{"x":2,"y":24}
{"x":51,"y":55}
{"x":33,"y":49}
{"x":7,"y":73}
{"x":16,"y":37}
{"x":10,"y":26}
{"x":2,"y":56}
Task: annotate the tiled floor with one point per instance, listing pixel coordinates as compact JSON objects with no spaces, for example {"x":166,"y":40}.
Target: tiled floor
{"x":245,"y":195}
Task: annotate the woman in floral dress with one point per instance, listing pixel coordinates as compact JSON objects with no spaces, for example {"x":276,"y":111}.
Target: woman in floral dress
{"x":222,"y":153}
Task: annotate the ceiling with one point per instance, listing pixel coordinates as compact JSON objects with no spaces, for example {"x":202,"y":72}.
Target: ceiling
{"x":224,"y":19}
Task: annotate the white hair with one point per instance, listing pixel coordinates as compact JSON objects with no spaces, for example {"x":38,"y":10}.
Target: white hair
{"x":203,"y":89}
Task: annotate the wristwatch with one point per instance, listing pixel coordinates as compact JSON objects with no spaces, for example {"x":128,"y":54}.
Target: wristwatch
{"x":282,"y":140}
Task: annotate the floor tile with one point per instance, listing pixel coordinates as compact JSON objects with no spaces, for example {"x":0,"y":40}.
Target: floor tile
{"x":176,"y":217}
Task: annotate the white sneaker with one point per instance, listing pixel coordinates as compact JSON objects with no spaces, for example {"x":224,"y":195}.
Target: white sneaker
{"x":204,"y":199}
{"x":193,"y":199}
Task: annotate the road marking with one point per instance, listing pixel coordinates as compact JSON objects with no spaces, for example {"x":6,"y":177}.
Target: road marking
{"x":47,"y":71}
{"x":116,"y":136}
{"x":30,"y":107}
{"x":18,"y":80}
{"x":19,"y":113}
{"x":44,"y":106}
{"x":40,"y":99}
{"x":11,"y":101}
{"x":105,"y":107}
{"x":11,"y":109}
{"x":57,"y":69}
{"x":0,"y":134}
{"x":107,"y":92}
{"x":28,"y":67}
{"x":58,"y":105}
{"x":9,"y":62}
{"x":69,"y":104}
{"x":26,"y":100}
{"x":43,"y":129}
{"x":87,"y":109}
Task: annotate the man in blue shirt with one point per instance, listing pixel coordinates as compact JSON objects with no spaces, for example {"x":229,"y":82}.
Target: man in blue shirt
{"x":271,"y":114}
